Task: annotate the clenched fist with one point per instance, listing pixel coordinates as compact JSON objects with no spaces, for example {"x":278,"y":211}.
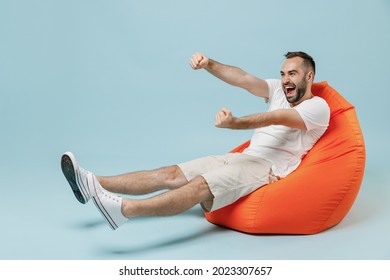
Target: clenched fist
{"x":224,"y":119}
{"x":199,"y":61}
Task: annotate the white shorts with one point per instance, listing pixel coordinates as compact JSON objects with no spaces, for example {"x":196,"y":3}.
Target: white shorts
{"x":229,"y":177}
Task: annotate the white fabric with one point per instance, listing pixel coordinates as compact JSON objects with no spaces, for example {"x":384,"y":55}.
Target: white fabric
{"x":229,"y":177}
{"x":283,"y":146}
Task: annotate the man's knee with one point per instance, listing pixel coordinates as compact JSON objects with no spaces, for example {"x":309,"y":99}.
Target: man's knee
{"x":173,"y":175}
{"x":202,"y":188}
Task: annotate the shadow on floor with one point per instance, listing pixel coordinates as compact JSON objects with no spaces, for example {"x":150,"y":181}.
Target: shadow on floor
{"x":174,"y":241}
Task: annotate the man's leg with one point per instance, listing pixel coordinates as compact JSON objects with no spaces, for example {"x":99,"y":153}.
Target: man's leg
{"x":171,"y":202}
{"x":136,"y":183}
{"x":116,"y":209}
{"x":144,"y":182}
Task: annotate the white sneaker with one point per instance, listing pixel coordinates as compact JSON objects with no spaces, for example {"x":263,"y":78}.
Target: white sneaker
{"x":107,"y":203}
{"x":77,"y":177}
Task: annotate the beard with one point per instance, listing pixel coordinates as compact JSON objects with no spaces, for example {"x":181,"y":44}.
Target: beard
{"x":300,"y":89}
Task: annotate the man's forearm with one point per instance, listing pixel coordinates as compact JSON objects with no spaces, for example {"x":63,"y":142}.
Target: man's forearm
{"x":225,"y":119}
{"x":287,"y":117}
{"x":229,"y":74}
{"x":253,"y":121}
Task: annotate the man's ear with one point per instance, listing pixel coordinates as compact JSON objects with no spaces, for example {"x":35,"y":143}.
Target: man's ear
{"x":310,"y":76}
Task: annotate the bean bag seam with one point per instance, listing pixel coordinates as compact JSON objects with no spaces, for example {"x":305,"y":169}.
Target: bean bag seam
{"x":260,"y":207}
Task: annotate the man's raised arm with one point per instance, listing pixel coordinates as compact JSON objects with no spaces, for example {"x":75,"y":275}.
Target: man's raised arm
{"x":230,"y":74}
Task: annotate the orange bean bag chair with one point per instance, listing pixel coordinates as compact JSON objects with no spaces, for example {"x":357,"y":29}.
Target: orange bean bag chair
{"x":319,"y":193}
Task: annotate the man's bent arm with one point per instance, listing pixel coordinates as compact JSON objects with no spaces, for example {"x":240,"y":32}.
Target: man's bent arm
{"x":287,"y":117}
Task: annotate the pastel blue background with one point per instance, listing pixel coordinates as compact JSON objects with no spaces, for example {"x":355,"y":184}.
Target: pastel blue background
{"x":110,"y":81}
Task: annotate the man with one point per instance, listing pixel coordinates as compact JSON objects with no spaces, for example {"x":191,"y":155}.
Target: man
{"x":295,"y":121}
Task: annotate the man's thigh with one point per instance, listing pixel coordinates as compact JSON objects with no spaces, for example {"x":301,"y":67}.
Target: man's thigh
{"x":229,"y":177}
{"x":197,"y":167}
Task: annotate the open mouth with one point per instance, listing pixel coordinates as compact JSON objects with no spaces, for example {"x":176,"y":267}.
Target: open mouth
{"x":289,"y":90}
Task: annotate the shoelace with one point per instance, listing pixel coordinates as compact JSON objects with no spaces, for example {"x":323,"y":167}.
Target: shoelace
{"x":109,"y":195}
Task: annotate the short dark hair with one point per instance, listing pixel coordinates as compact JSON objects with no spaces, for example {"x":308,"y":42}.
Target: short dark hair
{"x":308,"y":61}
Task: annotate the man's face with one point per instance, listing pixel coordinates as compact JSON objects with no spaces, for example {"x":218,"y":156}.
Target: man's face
{"x":294,"y":80}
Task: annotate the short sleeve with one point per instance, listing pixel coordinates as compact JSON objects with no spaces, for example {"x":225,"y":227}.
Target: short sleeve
{"x":273,"y":87}
{"x":315,"y":113}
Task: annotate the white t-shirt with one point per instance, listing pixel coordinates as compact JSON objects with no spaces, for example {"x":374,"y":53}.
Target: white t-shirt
{"x":283,"y":146}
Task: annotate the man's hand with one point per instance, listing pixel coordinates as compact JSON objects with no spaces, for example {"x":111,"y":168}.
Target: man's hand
{"x":199,"y":61}
{"x":224,"y":119}
{"x":273,"y":178}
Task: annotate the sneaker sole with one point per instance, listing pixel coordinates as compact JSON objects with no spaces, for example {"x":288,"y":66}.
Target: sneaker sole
{"x":67,"y":166}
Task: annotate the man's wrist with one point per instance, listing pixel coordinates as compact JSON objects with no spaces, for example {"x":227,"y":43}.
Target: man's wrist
{"x":234,"y":123}
{"x":210,"y":64}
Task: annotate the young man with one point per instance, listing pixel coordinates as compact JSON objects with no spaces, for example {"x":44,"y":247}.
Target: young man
{"x":295,"y":121}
